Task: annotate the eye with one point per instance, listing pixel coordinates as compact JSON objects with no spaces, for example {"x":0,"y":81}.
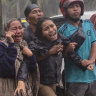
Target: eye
{"x":45,"y":29}
{"x":20,"y":27}
{"x":70,"y":6}
{"x":34,"y":12}
{"x":51,"y":25}
{"x":14,"y":28}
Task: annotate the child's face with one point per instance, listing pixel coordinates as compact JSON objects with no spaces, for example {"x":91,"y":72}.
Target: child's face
{"x":17,"y":28}
{"x":74,"y":11}
{"x":49,"y":30}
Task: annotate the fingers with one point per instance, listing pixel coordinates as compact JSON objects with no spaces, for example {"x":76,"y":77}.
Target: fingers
{"x":9,"y":33}
{"x":27,"y":51}
{"x":59,"y":49}
{"x":9,"y":36}
{"x":16,"y":92}
{"x":74,"y":43}
{"x":59,"y":46}
{"x":91,"y":61}
{"x":90,"y":67}
{"x":19,"y":92}
{"x":56,"y":49}
{"x":85,"y":62}
{"x":71,"y":46}
{"x":22,"y":93}
{"x":20,"y":89}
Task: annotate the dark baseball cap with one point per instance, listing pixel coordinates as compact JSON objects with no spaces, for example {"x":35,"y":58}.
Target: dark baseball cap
{"x":30,"y":8}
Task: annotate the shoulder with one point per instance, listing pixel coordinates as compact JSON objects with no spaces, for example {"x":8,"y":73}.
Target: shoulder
{"x":3,"y":47}
{"x":93,"y":17}
{"x":87,"y":21}
{"x":63,"y":27}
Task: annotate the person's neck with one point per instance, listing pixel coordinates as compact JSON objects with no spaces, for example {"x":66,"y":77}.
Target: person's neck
{"x":33,"y":28}
{"x":74,"y":23}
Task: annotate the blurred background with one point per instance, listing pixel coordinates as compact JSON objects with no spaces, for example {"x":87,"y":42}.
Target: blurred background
{"x":15,"y":8}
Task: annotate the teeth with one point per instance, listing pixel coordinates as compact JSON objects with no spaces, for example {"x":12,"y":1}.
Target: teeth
{"x":52,"y":34}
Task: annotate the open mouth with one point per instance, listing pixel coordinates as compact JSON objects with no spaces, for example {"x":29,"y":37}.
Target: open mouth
{"x":76,"y":14}
{"x":53,"y":36}
{"x":18,"y":37}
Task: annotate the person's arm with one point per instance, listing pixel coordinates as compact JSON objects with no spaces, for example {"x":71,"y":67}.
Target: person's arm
{"x":11,"y":50}
{"x":20,"y":90}
{"x":7,"y":59}
{"x":21,"y":78}
{"x":28,"y":65}
{"x":56,"y":49}
{"x":92,"y":57}
{"x":71,"y":54}
{"x":93,"y":54}
{"x":26,"y":51}
{"x":78,"y":61}
{"x":71,"y":46}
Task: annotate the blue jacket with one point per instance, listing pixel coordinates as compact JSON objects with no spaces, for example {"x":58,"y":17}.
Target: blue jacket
{"x":7,"y":60}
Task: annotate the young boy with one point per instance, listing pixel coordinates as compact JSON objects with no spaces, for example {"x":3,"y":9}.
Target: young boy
{"x":79,"y":83}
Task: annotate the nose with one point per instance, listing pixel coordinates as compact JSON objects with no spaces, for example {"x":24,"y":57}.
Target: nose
{"x":18,"y":31}
{"x":51,"y":29}
{"x":39,"y":13}
{"x":75,"y":7}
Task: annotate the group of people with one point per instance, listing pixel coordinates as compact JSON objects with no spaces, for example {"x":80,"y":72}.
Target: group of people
{"x":31,"y":58}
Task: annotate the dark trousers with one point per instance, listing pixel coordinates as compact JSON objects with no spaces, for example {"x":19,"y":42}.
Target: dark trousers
{"x":81,"y":89}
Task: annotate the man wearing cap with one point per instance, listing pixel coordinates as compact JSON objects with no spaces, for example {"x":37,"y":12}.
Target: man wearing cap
{"x":78,"y":82}
{"x":32,"y":14}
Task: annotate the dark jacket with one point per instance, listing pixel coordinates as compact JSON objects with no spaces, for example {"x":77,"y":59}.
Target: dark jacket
{"x":50,"y":67}
{"x":41,"y":47}
{"x":29,"y":63}
{"x":28,"y":34}
{"x":7,"y":60}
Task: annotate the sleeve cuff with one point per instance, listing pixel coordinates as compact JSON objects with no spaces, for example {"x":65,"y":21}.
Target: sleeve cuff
{"x":21,"y":79}
{"x":10,"y":44}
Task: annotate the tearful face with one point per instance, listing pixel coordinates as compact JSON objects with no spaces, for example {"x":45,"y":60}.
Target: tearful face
{"x":17,"y":28}
{"x":49,"y":30}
